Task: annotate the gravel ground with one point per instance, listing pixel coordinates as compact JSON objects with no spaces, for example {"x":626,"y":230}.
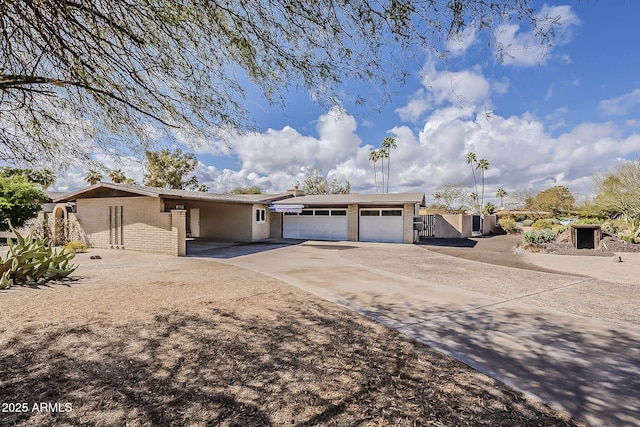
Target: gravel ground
{"x":148,"y":340}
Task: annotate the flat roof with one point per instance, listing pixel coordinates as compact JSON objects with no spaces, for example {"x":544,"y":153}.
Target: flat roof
{"x":354,"y":199}
{"x":109,"y":189}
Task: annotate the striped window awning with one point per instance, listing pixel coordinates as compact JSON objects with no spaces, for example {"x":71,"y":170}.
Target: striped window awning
{"x":286,"y":208}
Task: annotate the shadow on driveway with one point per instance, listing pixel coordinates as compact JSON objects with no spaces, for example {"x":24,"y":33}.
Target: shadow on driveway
{"x":227,"y":250}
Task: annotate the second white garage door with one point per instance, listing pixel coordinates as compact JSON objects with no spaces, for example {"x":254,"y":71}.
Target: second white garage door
{"x":316,"y":224}
{"x":381,"y":225}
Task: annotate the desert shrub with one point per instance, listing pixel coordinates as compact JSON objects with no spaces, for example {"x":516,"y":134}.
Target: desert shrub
{"x":609,"y":228}
{"x":508,"y":225}
{"x":31,"y":260}
{"x":527,"y":222}
{"x":543,"y":223}
{"x":539,"y":237}
{"x":75,"y":246}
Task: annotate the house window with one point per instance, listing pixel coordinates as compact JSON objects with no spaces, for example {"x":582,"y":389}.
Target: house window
{"x":322,"y":212}
{"x":339,"y":213}
{"x":390,"y":212}
{"x":370,"y":213}
{"x":261,"y":215}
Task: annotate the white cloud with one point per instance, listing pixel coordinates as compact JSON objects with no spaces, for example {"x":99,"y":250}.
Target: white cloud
{"x":621,"y":105}
{"x":460,"y":43}
{"x":526,"y":49}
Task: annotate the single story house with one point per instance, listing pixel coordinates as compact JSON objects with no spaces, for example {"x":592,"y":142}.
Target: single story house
{"x":109,"y":215}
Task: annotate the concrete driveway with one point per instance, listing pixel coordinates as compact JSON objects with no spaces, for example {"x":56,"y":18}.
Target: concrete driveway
{"x":522,"y":327}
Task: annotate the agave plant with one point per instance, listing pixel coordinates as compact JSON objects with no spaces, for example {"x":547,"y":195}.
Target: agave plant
{"x":31,"y":260}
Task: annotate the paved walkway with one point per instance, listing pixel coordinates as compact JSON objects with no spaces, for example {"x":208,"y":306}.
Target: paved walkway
{"x":490,"y":317}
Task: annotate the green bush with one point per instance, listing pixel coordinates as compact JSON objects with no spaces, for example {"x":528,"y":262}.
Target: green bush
{"x":527,"y":222}
{"x":538,"y":237}
{"x":31,"y":260}
{"x":508,"y":225}
{"x":543,"y":223}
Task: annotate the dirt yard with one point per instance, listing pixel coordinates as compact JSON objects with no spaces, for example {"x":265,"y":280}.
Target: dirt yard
{"x":138,"y":339}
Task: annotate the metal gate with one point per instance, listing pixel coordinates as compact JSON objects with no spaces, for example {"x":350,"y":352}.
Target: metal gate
{"x":429,"y":228}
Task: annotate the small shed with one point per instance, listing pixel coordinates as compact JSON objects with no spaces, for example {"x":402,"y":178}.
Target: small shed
{"x":585,"y":236}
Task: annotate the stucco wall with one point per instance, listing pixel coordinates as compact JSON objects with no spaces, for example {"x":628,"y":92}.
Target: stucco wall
{"x":453,"y":226}
{"x":144,"y":226}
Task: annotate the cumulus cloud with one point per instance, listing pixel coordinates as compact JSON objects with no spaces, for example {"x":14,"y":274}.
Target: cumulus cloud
{"x":621,"y":105}
{"x":525,"y":48}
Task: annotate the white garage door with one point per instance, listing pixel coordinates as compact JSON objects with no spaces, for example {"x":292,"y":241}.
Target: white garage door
{"x":381,"y":225}
{"x":316,"y":224}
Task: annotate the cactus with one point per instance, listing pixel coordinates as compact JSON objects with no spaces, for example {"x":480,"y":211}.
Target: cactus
{"x":31,"y":260}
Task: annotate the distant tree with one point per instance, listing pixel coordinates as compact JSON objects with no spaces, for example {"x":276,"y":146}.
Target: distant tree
{"x":129,"y":181}
{"x":254,"y":189}
{"x":44,"y":177}
{"x":483,"y":165}
{"x":382,"y":154}
{"x":451,"y":196}
{"x":618,"y":192}
{"x":501,"y":193}
{"x":19,"y":200}
{"x":388,"y":144}
{"x":374,"y":157}
{"x":93,"y":177}
{"x":557,"y":199}
{"x":168,"y":169}
{"x":203,"y":188}
{"x":473,"y":162}
{"x":489,"y":208}
{"x":117,"y":176}
{"x":316,"y":183}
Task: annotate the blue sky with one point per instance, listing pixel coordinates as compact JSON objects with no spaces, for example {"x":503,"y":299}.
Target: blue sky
{"x":541,"y":118}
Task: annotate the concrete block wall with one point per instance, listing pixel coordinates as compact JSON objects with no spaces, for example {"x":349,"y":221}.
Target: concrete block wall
{"x":353,"y":218}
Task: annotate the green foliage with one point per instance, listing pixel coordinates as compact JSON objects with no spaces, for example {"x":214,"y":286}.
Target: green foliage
{"x":32,"y":260}
{"x":45,"y":178}
{"x":93,"y":177}
{"x":543,"y":223}
{"x":247,"y":190}
{"x":489,"y":208}
{"x":527,"y":222}
{"x":557,"y":199}
{"x":315,"y":183}
{"x":168,"y":169}
{"x":19,"y":200}
{"x":538,"y":237}
{"x":508,"y":225}
{"x":618,"y":193}
{"x":75,"y":246}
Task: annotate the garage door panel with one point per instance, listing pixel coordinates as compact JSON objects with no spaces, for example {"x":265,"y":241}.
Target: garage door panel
{"x":316,"y":227}
{"x":381,"y":226}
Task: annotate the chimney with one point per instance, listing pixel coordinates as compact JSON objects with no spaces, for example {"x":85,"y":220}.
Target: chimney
{"x":295,"y":191}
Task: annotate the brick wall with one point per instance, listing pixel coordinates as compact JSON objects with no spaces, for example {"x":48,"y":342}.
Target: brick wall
{"x":144,"y":227}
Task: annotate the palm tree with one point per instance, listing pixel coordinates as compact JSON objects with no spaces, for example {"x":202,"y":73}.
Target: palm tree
{"x":45,"y":177}
{"x":382,"y":154}
{"x":471,"y":160}
{"x":387,"y":144}
{"x":374,"y":156}
{"x":501,"y":193}
{"x":117,"y":176}
{"x":483,"y":165}
{"x":93,"y":177}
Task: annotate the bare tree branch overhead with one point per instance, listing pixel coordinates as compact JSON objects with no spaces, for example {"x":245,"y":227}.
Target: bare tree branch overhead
{"x":77,"y":75}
